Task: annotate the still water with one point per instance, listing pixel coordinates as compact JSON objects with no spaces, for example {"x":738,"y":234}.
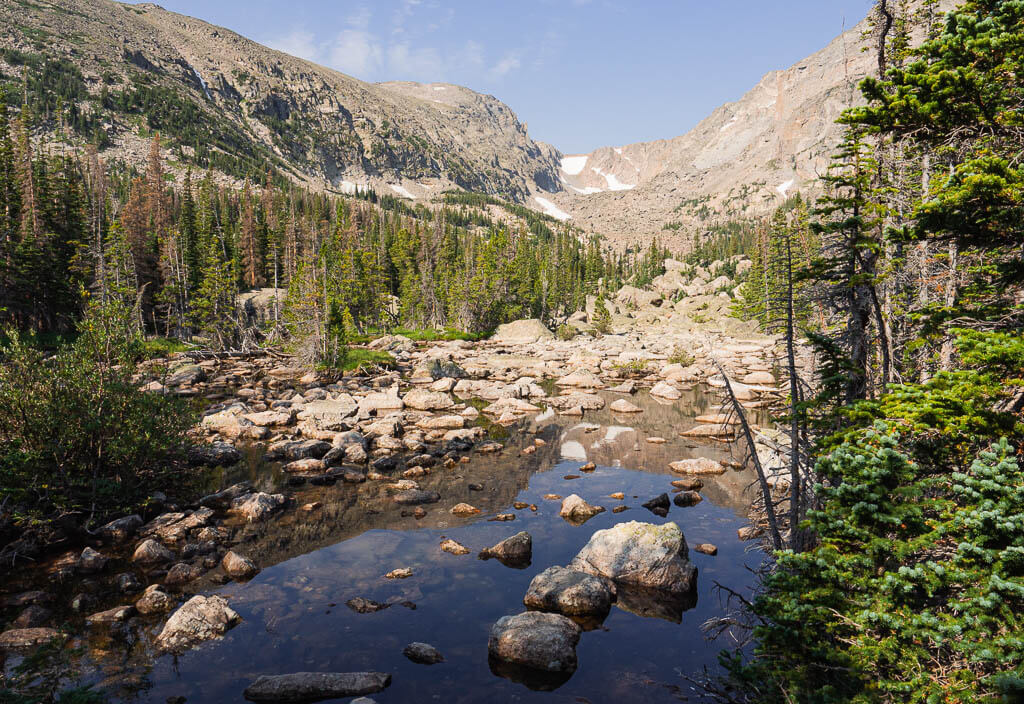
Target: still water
{"x":294,"y":616}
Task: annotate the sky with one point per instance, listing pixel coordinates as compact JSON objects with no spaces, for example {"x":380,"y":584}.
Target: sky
{"x":581,"y":73}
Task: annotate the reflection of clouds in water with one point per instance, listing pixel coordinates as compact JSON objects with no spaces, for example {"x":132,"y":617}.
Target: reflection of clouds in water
{"x":573,"y":450}
{"x":613,"y":432}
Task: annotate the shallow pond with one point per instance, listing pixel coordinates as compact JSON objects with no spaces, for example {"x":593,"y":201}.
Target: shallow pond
{"x":294,"y":616}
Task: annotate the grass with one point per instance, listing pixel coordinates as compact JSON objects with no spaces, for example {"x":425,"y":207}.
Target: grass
{"x":163,"y":347}
{"x":357,"y":359}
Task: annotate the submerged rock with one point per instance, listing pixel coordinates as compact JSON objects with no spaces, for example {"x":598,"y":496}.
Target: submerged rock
{"x":21,"y":638}
{"x":155,"y":600}
{"x":257,"y":507}
{"x":423,"y":653}
{"x":315,"y":686}
{"x":640,"y":554}
{"x":413,"y":497}
{"x":239,"y":566}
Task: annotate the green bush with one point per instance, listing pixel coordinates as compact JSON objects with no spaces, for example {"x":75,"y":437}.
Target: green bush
{"x":681,"y":356}
{"x":76,"y":434}
{"x":602,"y":319}
{"x":566,"y":332}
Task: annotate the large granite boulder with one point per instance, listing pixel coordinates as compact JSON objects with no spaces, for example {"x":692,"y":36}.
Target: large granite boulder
{"x":522,"y":332}
{"x":569,"y":592}
{"x":641,"y":555}
{"x":536,"y":640}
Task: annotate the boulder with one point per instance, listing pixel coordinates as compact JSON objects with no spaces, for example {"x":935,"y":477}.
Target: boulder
{"x":455,"y":548}
{"x":621,"y":405}
{"x":426,"y":400}
{"x":199,"y":619}
{"x":150,"y":552}
{"x":666,"y":391}
{"x":536,"y":640}
{"x":581,"y":379}
{"x":155,"y":600}
{"x":91,"y":561}
{"x":218,"y":454}
{"x":291,"y":450}
{"x":186,"y":374}
{"x":224,"y":499}
{"x":23,"y":638}
{"x":569,"y":592}
{"x":522,"y":332}
{"x":641,"y":555}
{"x":697,"y":466}
{"x":258,"y":506}
{"x":315,"y":686}
{"x":238,"y":566}
{"x":759,"y":378}
{"x":516,"y":550}
{"x":121,"y":529}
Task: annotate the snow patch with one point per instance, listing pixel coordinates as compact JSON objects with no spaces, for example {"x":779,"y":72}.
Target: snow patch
{"x":730,"y":123}
{"x":401,"y":191}
{"x":552,"y":209}
{"x":613,"y":182}
{"x":348,"y":187}
{"x":783,"y":187}
{"x":584,"y":191}
{"x":618,"y":150}
{"x":572,"y":165}
{"x":199,"y":76}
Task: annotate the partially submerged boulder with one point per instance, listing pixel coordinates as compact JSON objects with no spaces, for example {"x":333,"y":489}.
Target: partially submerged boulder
{"x":515,"y":551}
{"x":536,"y":640}
{"x":569,"y":592}
{"x":315,"y":686}
{"x":201,"y":618}
{"x":640,"y":554}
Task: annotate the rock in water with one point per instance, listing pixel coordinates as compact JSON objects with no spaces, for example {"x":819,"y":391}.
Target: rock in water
{"x":315,"y":686}
{"x":515,"y":551}
{"x":659,"y":505}
{"x":623,"y":406}
{"x":640,"y":554}
{"x":571,"y":593}
{"x":23,"y":638}
{"x":576,"y":510}
{"x":455,"y":548}
{"x":698,"y":465}
{"x":200,"y":618}
{"x":238,"y":566}
{"x":423,"y":653}
{"x":535,"y":640}
{"x":155,"y":600}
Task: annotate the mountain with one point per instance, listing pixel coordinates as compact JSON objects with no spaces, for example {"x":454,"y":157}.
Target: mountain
{"x":743,"y":159}
{"x":222,"y":99}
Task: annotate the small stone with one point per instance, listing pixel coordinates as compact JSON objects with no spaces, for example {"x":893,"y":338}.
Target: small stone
{"x":504,"y":517}
{"x":553,"y":497}
{"x":449,"y":545}
{"x":118,"y":614}
{"x":688,"y":483}
{"x":588,"y":467}
{"x":312,"y":506}
{"x":416,"y":496}
{"x":155,"y":600}
{"x":23,"y":638}
{"x":362,"y":605}
{"x":464,"y":510}
{"x":515,"y":550}
{"x":655,"y":440}
{"x":621,"y":405}
{"x":618,"y":496}
{"x":706,"y":548}
{"x":699,"y":465}
{"x":423,"y":653}
{"x":182,"y":573}
{"x":576,"y":510}
{"x":239,"y":566}
{"x":659,"y":505}
{"x":91,"y":561}
{"x":749,"y":532}
{"x":620,"y":509}
{"x":399,"y":573}
{"x":687,"y":498}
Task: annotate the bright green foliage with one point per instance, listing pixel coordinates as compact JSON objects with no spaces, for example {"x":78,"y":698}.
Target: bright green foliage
{"x":602,"y":319}
{"x":915,"y":591}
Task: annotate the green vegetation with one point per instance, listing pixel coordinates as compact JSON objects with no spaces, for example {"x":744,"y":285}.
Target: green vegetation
{"x":901,"y":577}
{"x":78,"y":436}
{"x":681,"y":356}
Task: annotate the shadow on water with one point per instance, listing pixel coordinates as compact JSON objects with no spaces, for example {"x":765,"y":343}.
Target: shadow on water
{"x":294,"y":616}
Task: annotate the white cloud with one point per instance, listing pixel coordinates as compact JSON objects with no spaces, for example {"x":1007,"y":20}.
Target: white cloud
{"x":299,"y":43}
{"x":508,"y":63}
{"x":423,"y":63}
{"x":356,"y":52}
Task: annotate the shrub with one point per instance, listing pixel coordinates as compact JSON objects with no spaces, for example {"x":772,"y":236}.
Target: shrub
{"x":602,"y":318}
{"x":681,"y":356}
{"x":76,"y":434}
{"x":566,"y":332}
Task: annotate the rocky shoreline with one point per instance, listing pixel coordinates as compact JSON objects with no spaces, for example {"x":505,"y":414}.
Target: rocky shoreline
{"x":401,"y":430}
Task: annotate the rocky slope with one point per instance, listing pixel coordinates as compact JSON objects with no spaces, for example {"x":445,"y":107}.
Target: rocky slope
{"x":139,"y":68}
{"x":743,"y":159}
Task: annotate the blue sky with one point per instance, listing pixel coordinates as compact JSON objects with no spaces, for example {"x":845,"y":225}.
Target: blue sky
{"x":581,"y":73}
